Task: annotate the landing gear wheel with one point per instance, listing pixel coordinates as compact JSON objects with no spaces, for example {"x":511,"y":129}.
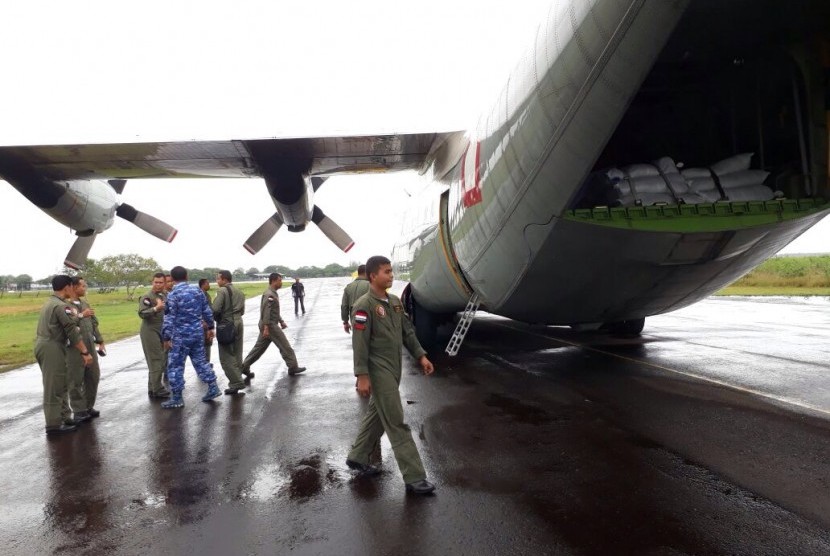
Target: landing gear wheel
{"x":426,"y":328}
{"x":426,"y":322}
{"x":631,"y":327}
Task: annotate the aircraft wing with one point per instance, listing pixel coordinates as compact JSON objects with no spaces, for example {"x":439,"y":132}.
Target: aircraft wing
{"x":318,"y":156}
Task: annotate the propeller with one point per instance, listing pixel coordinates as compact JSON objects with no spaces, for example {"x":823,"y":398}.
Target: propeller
{"x":149,"y":224}
{"x":331,"y":230}
{"x":76,"y":258}
{"x":263,"y":234}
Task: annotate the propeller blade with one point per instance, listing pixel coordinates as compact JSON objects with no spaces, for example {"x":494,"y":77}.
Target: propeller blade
{"x":149,"y":224}
{"x":331,"y":230}
{"x":76,"y":258}
{"x":263,"y":234}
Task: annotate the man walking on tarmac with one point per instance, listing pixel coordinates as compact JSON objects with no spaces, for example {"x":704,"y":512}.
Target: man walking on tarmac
{"x":298,"y":292}
{"x":57,"y":332}
{"x":270,"y":327}
{"x":184,"y":310}
{"x":228,"y":307}
{"x":380,"y":330}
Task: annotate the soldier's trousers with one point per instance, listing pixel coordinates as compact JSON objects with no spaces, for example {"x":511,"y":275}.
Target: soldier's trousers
{"x":75,"y":383}
{"x":301,"y":302}
{"x":156,"y":359}
{"x":51,"y":356}
{"x":277,"y":336}
{"x":184,"y":347}
{"x":385,"y":414}
{"x":230,"y":357}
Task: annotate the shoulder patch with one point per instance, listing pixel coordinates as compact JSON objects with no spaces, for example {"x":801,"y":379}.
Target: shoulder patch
{"x":359,"y":326}
{"x":360,"y":317}
{"x":270,"y":298}
{"x":146,"y":301}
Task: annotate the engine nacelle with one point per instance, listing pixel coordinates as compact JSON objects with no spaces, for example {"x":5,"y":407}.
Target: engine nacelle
{"x":85,"y":206}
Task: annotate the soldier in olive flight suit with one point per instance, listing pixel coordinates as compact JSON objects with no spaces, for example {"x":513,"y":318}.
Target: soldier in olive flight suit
{"x":381,"y":328}
{"x":83,"y":389}
{"x":270,"y":326}
{"x":229,"y":306}
{"x":151,"y":311}
{"x":57,"y":333}
{"x":352,"y":292}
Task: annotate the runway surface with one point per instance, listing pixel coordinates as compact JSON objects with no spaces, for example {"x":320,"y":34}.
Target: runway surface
{"x":709,"y":434}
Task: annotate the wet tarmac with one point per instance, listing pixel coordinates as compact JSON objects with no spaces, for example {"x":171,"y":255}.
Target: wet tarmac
{"x":707,"y":435}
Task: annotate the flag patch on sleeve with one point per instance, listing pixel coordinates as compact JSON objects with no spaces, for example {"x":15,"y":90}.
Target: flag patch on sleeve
{"x":360,"y":319}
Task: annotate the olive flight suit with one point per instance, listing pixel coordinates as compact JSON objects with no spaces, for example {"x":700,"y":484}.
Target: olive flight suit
{"x":351,"y":293}
{"x":151,"y":321}
{"x":229,"y":306}
{"x":74,"y":374}
{"x":208,"y":343}
{"x":56,"y":328}
{"x":381,"y":328}
{"x":269,"y":317}
{"x":83,"y":381}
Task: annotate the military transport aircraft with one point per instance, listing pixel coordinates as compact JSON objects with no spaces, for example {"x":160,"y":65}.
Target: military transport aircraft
{"x":642,"y":155}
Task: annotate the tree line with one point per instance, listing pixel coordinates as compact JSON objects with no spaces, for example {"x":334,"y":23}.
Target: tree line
{"x":131,"y":270}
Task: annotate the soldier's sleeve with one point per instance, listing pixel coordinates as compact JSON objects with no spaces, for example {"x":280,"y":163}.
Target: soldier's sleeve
{"x":218,"y":302}
{"x":361,"y":334}
{"x":68,"y":322}
{"x":240,"y":301}
{"x":169,"y":316}
{"x":344,"y":305}
{"x":96,"y":334}
{"x":207,"y":313}
{"x":410,"y":339}
{"x":145,"y":307}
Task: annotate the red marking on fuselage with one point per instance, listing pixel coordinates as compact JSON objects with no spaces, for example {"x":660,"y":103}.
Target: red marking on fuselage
{"x":471,"y":177}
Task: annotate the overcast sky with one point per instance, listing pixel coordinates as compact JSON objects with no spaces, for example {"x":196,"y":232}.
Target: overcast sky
{"x":102,"y":71}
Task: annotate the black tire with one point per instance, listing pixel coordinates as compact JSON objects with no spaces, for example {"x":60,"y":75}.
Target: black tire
{"x":426,"y":326}
{"x":629,"y":328}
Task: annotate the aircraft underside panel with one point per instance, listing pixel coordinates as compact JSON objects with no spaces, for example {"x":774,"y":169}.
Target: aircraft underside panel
{"x":589,"y":273}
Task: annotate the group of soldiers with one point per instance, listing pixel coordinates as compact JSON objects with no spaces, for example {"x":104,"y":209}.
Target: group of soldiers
{"x":67,"y":347}
{"x":180,"y":320}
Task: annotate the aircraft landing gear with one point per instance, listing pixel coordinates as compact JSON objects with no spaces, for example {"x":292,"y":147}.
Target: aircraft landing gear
{"x":631,"y":327}
{"x":426,"y":322}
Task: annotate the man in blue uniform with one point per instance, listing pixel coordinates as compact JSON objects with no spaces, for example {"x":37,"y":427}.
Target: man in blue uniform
{"x":184,"y":310}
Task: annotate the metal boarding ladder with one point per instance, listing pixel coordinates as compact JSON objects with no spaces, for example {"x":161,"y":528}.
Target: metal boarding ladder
{"x":463,"y":325}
